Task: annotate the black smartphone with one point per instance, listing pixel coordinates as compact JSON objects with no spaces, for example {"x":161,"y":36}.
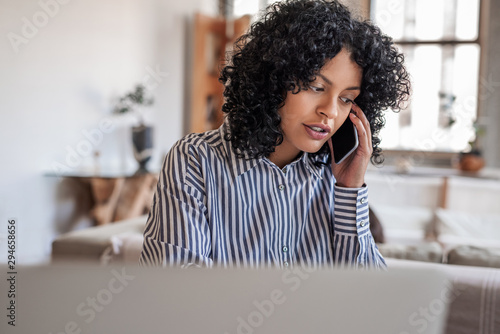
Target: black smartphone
{"x":344,"y":141}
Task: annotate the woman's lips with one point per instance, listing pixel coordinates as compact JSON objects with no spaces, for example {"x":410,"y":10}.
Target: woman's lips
{"x":312,"y":131}
{"x":322,"y":126}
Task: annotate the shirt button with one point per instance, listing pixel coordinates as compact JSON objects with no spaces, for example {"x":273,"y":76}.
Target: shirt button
{"x":285,"y":249}
{"x":281,"y":187}
{"x":362,"y":223}
{"x":286,"y":264}
{"x":363,"y":200}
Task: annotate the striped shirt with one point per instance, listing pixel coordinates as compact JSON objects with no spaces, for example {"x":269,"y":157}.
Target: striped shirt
{"x":213,"y":209}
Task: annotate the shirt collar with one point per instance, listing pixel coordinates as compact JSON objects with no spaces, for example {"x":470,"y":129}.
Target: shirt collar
{"x":312,"y":163}
{"x":240,"y":166}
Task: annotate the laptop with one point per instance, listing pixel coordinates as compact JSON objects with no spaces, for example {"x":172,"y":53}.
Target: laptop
{"x":70,"y":298}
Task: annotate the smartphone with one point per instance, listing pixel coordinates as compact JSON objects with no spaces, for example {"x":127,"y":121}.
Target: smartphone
{"x":344,"y":141}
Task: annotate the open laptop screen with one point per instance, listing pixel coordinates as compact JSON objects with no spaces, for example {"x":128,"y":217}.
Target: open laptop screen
{"x":88,"y":299}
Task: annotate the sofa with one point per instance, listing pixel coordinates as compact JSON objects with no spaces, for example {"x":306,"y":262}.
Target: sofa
{"x":451,"y":224}
{"x":122,"y":242}
{"x":427,"y":214}
{"x":116,"y":242}
{"x":438,"y":215}
{"x":472,"y":293}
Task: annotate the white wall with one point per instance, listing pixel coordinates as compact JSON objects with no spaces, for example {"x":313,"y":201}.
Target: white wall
{"x":60,"y":79}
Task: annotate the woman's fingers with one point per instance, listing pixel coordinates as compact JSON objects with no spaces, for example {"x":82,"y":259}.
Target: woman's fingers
{"x":362,"y":137}
{"x":363,"y":126}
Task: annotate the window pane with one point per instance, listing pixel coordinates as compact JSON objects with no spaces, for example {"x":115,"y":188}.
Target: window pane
{"x":466,"y":75}
{"x":444,"y":76}
{"x":467,"y":19}
{"x":243,"y":7}
{"x":389,"y":16}
{"x":424,"y":64}
{"x":431,"y":20}
{"x":443,"y":103}
{"x":391,"y":133}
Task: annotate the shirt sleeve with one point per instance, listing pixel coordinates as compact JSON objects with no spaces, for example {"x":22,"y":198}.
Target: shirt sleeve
{"x":177,"y":232}
{"x":353,"y":241}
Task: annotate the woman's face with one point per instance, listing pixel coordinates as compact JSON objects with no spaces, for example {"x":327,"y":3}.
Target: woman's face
{"x":310,"y":117}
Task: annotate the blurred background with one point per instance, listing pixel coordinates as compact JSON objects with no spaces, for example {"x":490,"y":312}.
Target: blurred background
{"x":69,"y":155}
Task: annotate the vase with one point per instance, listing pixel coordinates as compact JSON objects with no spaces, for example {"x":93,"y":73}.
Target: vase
{"x":142,"y":139}
{"x":470,"y":162}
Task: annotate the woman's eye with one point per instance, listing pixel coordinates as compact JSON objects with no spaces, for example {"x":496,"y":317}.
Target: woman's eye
{"x":317,"y":89}
{"x":346,"y":100}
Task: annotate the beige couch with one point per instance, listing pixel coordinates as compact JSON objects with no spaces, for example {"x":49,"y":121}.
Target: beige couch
{"x":465,"y":244}
{"x":419,"y":223}
{"x":122,"y":241}
{"x":438,"y":215}
{"x":473,"y":293}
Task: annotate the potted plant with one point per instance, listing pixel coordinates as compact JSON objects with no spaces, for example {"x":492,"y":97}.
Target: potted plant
{"x":142,"y":134}
{"x":472,"y":160}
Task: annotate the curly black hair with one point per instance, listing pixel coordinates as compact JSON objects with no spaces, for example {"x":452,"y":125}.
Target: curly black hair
{"x":285,"y":50}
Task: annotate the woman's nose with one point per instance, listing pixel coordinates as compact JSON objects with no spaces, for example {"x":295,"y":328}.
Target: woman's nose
{"x":329,"y":108}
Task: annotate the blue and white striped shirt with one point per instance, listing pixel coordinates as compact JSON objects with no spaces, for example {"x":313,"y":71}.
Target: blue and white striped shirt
{"x":212,"y":208}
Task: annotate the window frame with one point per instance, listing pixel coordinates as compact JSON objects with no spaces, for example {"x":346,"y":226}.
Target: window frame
{"x":430,"y":158}
{"x":439,"y":158}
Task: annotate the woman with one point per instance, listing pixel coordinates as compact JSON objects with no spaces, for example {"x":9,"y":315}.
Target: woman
{"x":263,"y":190}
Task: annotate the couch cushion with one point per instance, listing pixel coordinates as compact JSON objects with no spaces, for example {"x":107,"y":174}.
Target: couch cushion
{"x":124,"y":248}
{"x":475,"y":256}
{"x":457,"y":228}
{"x":387,"y":188}
{"x":89,"y":244}
{"x":404,"y":224}
{"x":474,"y":195}
{"x":427,"y":252}
{"x":477,"y":225}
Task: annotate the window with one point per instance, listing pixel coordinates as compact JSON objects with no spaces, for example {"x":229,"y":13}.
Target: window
{"x":238,"y":8}
{"x":440,"y":40}
{"x":441,"y":44}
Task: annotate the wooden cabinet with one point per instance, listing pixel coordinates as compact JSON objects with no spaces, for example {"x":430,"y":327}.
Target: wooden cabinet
{"x":213,"y":37}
